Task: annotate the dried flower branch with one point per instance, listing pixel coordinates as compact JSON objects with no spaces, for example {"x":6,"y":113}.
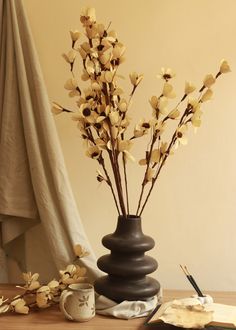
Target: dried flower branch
{"x":102,"y":113}
{"x":36,"y":295}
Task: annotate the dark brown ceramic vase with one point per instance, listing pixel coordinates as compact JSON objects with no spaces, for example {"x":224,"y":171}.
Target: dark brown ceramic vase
{"x":127,"y":265}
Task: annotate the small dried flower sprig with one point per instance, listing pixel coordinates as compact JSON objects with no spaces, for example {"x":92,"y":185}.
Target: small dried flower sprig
{"x":102,"y":114}
{"x":36,"y":295}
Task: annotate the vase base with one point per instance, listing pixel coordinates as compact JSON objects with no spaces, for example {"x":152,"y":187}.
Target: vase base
{"x":120,"y":289}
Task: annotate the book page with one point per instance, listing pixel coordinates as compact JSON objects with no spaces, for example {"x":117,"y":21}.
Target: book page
{"x":222,"y":313}
{"x":165,"y":306}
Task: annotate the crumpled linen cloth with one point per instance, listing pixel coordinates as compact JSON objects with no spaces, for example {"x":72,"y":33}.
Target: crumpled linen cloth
{"x":126,"y":309}
{"x":34,"y":186}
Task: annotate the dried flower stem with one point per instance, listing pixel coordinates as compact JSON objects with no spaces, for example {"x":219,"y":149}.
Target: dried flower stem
{"x":102,"y":163}
{"x":113,"y":155}
{"x":126,"y":183}
{"x":115,"y":168}
{"x":154,"y":137}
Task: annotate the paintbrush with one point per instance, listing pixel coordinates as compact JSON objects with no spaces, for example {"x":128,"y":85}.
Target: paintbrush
{"x":192,"y":281}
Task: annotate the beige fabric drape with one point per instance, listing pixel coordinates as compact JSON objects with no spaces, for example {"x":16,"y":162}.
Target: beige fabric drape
{"x":34,"y":186}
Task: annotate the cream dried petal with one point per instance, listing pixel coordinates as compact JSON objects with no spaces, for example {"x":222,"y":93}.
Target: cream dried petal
{"x":196,"y":118}
{"x":105,"y":126}
{"x":118,"y":51}
{"x":193,"y":102}
{"x":100,"y":119}
{"x":224,"y":67}
{"x":83,"y":53}
{"x":101,"y":144}
{"x":118,"y":91}
{"x":135,"y":78}
{"x":20,"y":307}
{"x":189,"y":88}
{"x":56,"y":110}
{"x":90,"y":67}
{"x":95,"y":86}
{"x":155,"y":156}
{"x":42,"y":300}
{"x":33,"y":285}
{"x":174,"y":114}
{"x":142,"y":162}
{"x":2,"y":300}
{"x":150,"y":174}
{"x":94,"y":153}
{"x":138,"y":133}
{"x":109,"y":146}
{"x":15,"y":300}
{"x":70,"y":56}
{"x":44,"y":289}
{"x":164,"y":147}
{"x":109,"y":76}
{"x":26,"y":276}
{"x":168,"y":91}
{"x":123,"y":106}
{"x":4,"y":308}
{"x":114,"y":132}
{"x":75,"y":35}
{"x":91,"y":32}
{"x":154,"y":102}
{"x":112,"y":34}
{"x":105,"y":58}
{"x":101,"y":29}
{"x":53,"y":284}
{"x":166,"y":74}
{"x":124,"y":145}
{"x":162,"y":102}
{"x":82,"y":271}
{"x":207,"y":95}
{"x":114,"y":117}
{"x":209,"y":80}
{"x":35,"y":277}
{"x":78,"y":248}
{"x":71,"y":84}
{"x":91,"y":12}
{"x":85,"y":76}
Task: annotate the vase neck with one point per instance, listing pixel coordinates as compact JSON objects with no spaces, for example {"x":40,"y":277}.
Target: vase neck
{"x":129,"y":225}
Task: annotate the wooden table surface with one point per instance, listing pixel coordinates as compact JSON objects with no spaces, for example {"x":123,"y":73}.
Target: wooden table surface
{"x":52,"y":319}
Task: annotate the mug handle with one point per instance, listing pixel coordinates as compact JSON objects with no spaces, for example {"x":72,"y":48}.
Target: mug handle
{"x":65,"y":294}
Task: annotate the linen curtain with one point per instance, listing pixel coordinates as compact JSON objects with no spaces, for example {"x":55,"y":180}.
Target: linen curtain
{"x":34,"y":187}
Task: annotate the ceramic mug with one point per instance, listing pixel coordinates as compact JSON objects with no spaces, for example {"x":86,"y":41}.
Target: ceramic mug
{"x":77,"y":303}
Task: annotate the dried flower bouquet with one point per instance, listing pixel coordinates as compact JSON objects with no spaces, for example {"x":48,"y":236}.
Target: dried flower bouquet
{"x":102,"y":114}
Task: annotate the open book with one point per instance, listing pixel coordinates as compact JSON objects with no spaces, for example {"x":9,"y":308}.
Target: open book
{"x":190,"y":313}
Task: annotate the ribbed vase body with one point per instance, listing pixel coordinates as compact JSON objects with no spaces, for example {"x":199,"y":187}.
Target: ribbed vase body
{"x":127,"y":266}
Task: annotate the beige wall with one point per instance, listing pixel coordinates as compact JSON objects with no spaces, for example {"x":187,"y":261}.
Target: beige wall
{"x":192,"y":212}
